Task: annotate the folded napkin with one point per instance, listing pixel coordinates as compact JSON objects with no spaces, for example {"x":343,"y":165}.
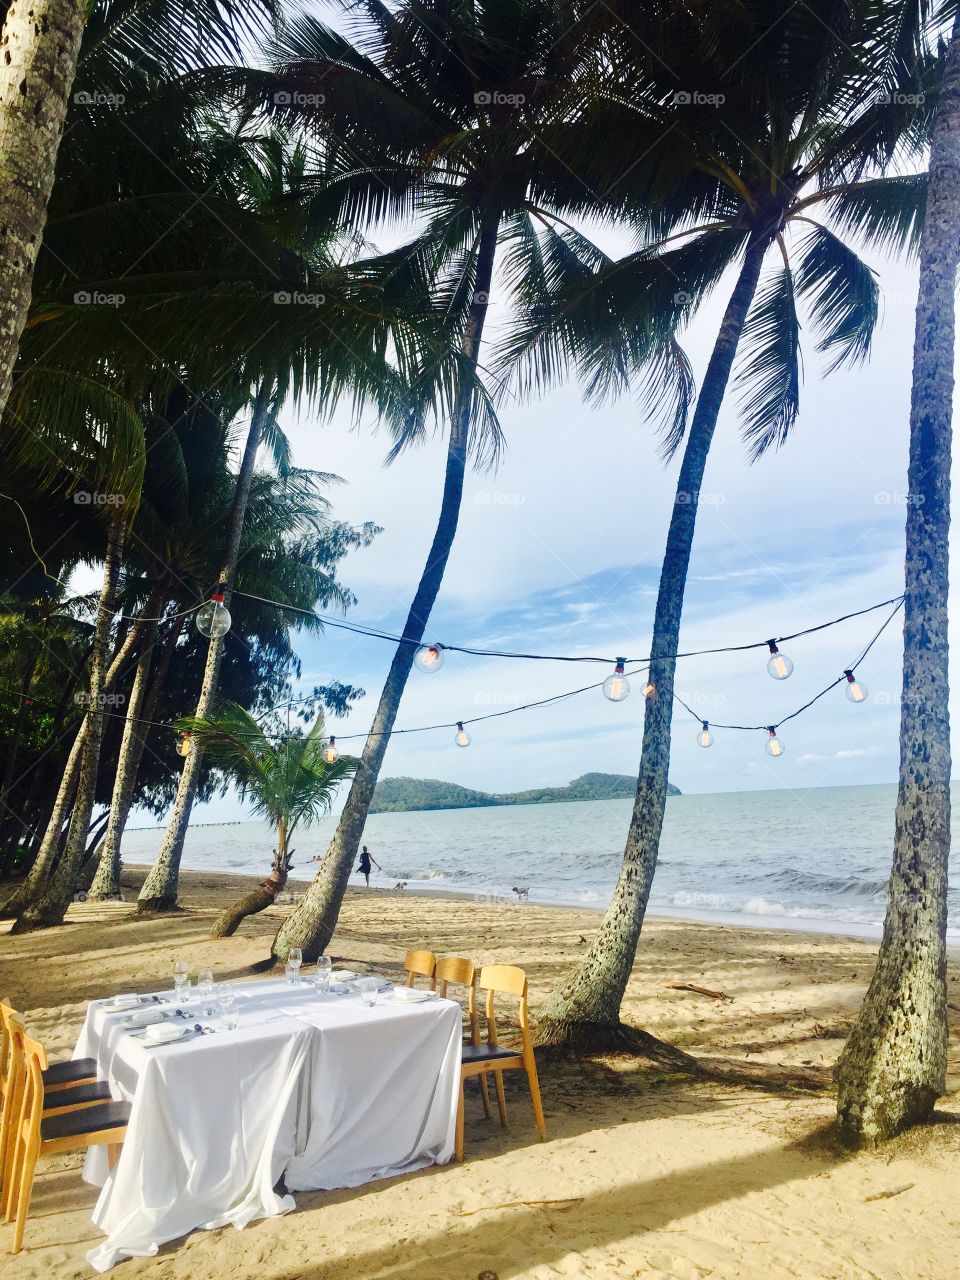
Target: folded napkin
{"x":342,"y":975}
{"x":145,"y":1018}
{"x":124,"y":1002}
{"x":165,"y":1032}
{"x":410,"y":995}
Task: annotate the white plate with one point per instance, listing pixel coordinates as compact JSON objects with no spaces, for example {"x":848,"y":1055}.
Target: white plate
{"x":343,"y":975}
{"x":165,"y":1033}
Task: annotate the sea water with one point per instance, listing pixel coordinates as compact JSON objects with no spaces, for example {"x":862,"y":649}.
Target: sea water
{"x":815,"y":859}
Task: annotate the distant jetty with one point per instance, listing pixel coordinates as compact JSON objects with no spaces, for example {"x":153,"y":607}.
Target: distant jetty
{"x":406,"y":795}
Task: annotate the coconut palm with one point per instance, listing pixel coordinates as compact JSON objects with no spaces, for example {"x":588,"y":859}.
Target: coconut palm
{"x":443,"y":111}
{"x":893,"y":1067}
{"x":782,"y":153}
{"x":286,"y":778}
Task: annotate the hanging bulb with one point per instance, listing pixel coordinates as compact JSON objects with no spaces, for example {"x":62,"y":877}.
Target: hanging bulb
{"x":213,"y":618}
{"x":778,"y":664}
{"x":185,"y":744}
{"x":855,"y":689}
{"x":617,"y":686}
{"x":429,"y":657}
{"x":330,"y":752}
{"x":462,"y":738}
{"x":705,"y":737}
{"x":774,"y":746}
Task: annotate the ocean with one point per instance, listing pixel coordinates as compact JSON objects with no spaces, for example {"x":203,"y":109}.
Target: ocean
{"x":815,"y":859}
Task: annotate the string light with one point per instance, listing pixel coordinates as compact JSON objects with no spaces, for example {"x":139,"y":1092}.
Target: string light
{"x":462,"y":738}
{"x":185,"y":744}
{"x":213,"y":618}
{"x":778,"y":664}
{"x":429,"y":657}
{"x":649,"y":689}
{"x":705,"y":737}
{"x":774,"y":746}
{"x":616,"y":687}
{"x":855,"y":689}
{"x":330,"y":752}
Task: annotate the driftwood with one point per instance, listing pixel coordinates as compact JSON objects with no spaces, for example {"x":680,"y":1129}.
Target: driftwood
{"x":701,"y":991}
{"x":887,"y":1195}
{"x":517,"y":1204}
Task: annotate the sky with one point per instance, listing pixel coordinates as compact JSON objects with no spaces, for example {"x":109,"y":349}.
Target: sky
{"x":559,"y":551}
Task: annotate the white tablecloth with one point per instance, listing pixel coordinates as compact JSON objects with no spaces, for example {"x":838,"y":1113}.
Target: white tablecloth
{"x":319,"y":1090}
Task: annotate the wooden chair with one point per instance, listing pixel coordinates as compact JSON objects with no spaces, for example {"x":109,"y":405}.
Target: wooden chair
{"x":36,"y":1135}
{"x":61,"y":1075}
{"x":60,"y":1102}
{"x":463,"y":972}
{"x":420,"y":964}
{"x":501,"y":979}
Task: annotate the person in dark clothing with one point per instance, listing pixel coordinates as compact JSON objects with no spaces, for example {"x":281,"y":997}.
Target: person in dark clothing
{"x":366,"y":857}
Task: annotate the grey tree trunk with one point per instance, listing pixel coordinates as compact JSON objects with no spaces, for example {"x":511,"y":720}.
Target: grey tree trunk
{"x":587,"y":1004}
{"x":40,"y":45}
{"x":159,"y":890}
{"x":893,"y":1067}
{"x":264,"y":895}
{"x":51,"y":906}
{"x":33,"y":885}
{"x":311,"y":926}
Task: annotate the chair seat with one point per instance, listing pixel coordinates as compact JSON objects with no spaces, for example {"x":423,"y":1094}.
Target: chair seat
{"x":70,"y":1072}
{"x":108,"y":1115}
{"x":486,"y":1053}
{"x":79,"y":1095}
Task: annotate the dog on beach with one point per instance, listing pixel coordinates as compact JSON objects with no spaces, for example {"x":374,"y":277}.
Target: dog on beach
{"x":523,"y":894}
{"x":401,"y":884}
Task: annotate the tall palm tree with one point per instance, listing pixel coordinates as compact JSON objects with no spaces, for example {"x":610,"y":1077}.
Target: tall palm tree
{"x":286,"y":777}
{"x":893,"y":1067}
{"x":436,"y":111}
{"x":781,"y":152}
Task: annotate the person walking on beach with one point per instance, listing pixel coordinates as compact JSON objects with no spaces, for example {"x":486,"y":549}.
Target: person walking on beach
{"x":366,"y":857}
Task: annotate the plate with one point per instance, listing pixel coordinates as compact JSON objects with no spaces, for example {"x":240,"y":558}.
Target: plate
{"x":410,"y":995}
{"x":124,"y":1002}
{"x":343,"y":975}
{"x":165,"y":1033}
{"x":146,"y":1018}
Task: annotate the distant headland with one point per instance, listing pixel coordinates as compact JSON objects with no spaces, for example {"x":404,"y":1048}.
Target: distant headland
{"x":403,"y":795}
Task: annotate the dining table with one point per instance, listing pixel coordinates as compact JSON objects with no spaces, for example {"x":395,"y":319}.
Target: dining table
{"x":311,"y":1090}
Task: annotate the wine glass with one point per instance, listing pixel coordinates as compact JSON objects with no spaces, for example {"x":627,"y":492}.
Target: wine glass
{"x":321,"y":979}
{"x":181,"y":978}
{"x":294,"y":961}
{"x":205,"y":986}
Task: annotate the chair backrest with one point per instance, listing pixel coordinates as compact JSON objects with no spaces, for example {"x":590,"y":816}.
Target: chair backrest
{"x":31,"y":1105}
{"x":420,"y":964}
{"x":6,"y":1008}
{"x":507,"y":980}
{"x":463,"y":972}
{"x":14,"y":1085}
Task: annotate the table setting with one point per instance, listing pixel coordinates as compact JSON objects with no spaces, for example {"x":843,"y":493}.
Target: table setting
{"x":244,"y":1092}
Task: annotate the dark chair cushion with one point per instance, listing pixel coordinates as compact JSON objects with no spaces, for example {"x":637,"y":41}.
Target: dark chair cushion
{"x":98,"y":1091}
{"x":70,"y":1072}
{"x":108,"y":1115}
{"x":486,"y":1053}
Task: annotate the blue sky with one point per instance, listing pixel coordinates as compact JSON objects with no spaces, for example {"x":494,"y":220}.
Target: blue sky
{"x":560,"y":548}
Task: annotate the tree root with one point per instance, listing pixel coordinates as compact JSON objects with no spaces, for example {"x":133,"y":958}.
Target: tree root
{"x":590,"y":1039}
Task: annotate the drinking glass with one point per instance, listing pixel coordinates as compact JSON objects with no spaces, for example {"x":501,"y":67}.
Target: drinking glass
{"x":294,"y":961}
{"x":181,"y":978}
{"x":368,"y":990}
{"x":225,"y":996}
{"x":228,"y":1018}
{"x":321,"y":979}
{"x":205,"y":987}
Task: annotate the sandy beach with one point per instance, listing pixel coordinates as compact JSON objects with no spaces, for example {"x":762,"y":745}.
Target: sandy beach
{"x":645,"y":1175}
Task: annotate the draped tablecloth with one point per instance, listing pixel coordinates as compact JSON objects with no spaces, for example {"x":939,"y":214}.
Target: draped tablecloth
{"x":321,"y":1091}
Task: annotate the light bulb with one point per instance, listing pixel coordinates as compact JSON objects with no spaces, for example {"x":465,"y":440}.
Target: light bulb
{"x":462,"y":738}
{"x":429,"y":657}
{"x":705,"y":737}
{"x":617,"y":686}
{"x":213,"y":618}
{"x":855,"y":689}
{"x":330,"y":752}
{"x":774,"y":746}
{"x":778,"y":664}
{"x":185,"y":744}
{"x":649,"y":689}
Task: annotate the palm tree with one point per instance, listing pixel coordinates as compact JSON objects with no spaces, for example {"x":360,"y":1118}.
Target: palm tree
{"x":436,"y":111}
{"x":286,"y":778}
{"x":787,"y":154}
{"x":893,"y":1067}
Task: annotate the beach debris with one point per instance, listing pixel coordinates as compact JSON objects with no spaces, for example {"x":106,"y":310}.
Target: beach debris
{"x":700,"y":991}
{"x":523,"y":894}
{"x":887,"y":1195}
{"x":583,"y":938}
{"x":568,"y":1202}
{"x":487,"y":1275}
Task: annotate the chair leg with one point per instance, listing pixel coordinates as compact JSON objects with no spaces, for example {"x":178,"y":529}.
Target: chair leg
{"x":23,"y":1197}
{"x":501,"y":1097}
{"x":535,"y":1098}
{"x":113,"y":1153}
{"x":458,"y":1141}
{"x":11,"y":1183}
{"x":485,"y":1093}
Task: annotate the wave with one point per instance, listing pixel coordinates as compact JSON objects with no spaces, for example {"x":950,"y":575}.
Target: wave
{"x":792,"y":878}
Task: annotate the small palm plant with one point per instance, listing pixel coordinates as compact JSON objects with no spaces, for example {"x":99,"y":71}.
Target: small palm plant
{"x":288,"y":781}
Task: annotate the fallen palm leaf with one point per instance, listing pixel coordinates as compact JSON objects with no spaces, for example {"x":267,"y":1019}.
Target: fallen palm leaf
{"x":701,"y":991}
{"x":886,"y":1195}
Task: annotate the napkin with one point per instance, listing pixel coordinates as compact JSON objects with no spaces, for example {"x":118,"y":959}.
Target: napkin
{"x":145,"y":1018}
{"x":411,"y":995}
{"x":342,"y":975}
{"x":164,"y":1033}
{"x":125,"y":1002}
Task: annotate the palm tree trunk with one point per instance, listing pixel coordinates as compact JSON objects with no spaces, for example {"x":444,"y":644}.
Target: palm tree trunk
{"x":41,"y":43}
{"x":893,"y":1067}
{"x":265,"y":894}
{"x":159,"y":890}
{"x":587,"y":1004}
{"x":47,"y":854}
{"x":311,"y":926}
{"x":51,"y":906}
{"x":9,"y":818}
